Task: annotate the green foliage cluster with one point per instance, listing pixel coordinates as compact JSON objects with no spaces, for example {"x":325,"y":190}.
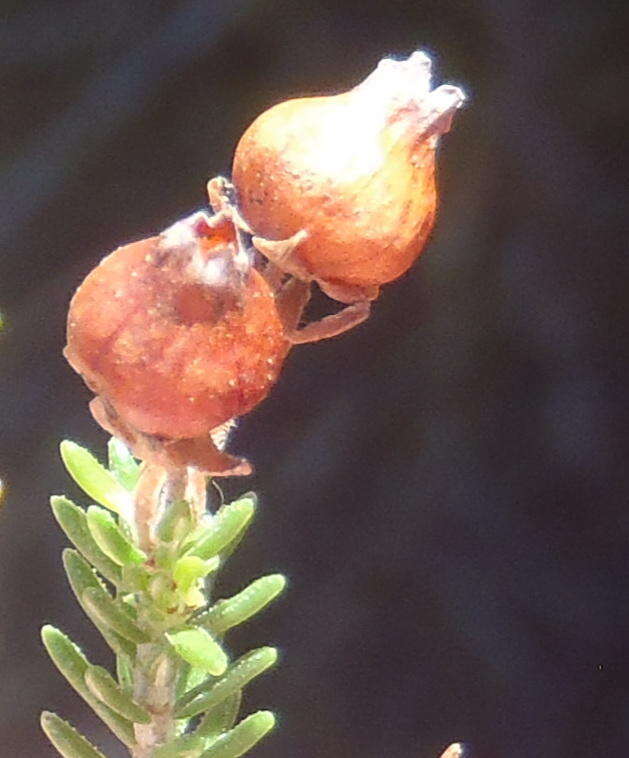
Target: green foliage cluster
{"x":155,"y":614}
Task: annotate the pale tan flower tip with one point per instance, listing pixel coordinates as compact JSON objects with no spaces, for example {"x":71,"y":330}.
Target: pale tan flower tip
{"x":456,"y":750}
{"x":410,"y":81}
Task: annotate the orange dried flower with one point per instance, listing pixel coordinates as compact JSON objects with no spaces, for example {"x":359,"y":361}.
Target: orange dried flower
{"x":341,"y":189}
{"x":177,"y":335}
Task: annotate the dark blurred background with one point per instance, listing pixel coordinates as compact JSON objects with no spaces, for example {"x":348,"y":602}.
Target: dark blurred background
{"x":446,"y":486}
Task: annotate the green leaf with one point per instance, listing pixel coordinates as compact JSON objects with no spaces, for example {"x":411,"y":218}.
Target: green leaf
{"x":103,"y":686}
{"x":93,"y":478}
{"x":71,"y":662}
{"x":241,"y":738}
{"x":231,"y":546}
{"x":69,"y":742}
{"x":135,"y":578}
{"x":67,"y":657}
{"x":105,"y":610}
{"x":189,"y":569}
{"x":185,"y":746}
{"x":189,"y":677}
{"x":73,"y":521}
{"x":82,"y":577}
{"x":122,"y":464}
{"x":198,"y":648}
{"x":124,"y":672}
{"x":184,"y":672}
{"x":226,"y":614}
{"x":110,"y":538}
{"x":221,"y":718}
{"x":223,"y":529}
{"x":175,"y":522}
{"x":204,"y":697}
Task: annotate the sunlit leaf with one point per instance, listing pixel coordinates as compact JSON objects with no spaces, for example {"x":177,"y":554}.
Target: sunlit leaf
{"x":71,"y":662}
{"x":224,"y":527}
{"x":245,"y":669}
{"x":122,"y":464}
{"x":242,"y":737}
{"x":110,"y":538}
{"x":124,"y":672}
{"x":81,"y":578}
{"x":189,"y":677}
{"x":198,"y":648}
{"x":184,"y":746}
{"x":73,"y":521}
{"x":68,"y":742}
{"x":221,"y":718}
{"x":226,"y":614}
{"x":105,"y":610}
{"x":235,"y":542}
{"x":103,"y":686}
{"x":94,"y":479}
{"x":189,"y":569}
{"x":175,"y":522}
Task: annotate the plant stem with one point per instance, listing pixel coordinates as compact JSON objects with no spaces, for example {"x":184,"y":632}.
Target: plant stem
{"x":146,"y":501}
{"x":155,"y":671}
{"x":154,"y":679}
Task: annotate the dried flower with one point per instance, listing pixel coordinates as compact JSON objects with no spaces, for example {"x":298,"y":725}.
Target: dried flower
{"x":177,"y":335}
{"x":341,"y":190}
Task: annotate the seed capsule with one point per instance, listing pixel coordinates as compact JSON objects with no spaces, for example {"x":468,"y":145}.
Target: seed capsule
{"x":175,"y":335}
{"x":347,"y":179}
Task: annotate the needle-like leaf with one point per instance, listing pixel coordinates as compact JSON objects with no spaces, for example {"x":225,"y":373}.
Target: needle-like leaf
{"x":189,"y":677}
{"x":81,"y":578}
{"x":122,"y":464}
{"x":105,"y":610}
{"x":242,"y":737}
{"x":221,"y":718}
{"x":175,"y":522}
{"x":198,"y":648}
{"x":103,"y":686}
{"x":124,"y":672}
{"x":68,"y":742}
{"x":231,"y":546}
{"x":226,"y":614}
{"x":204,"y":697}
{"x":190,"y":568}
{"x":93,"y":478}
{"x":185,"y":746}
{"x":224,"y":528}
{"x":73,"y":521}
{"x":71,"y":662}
{"x":111,"y":539}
